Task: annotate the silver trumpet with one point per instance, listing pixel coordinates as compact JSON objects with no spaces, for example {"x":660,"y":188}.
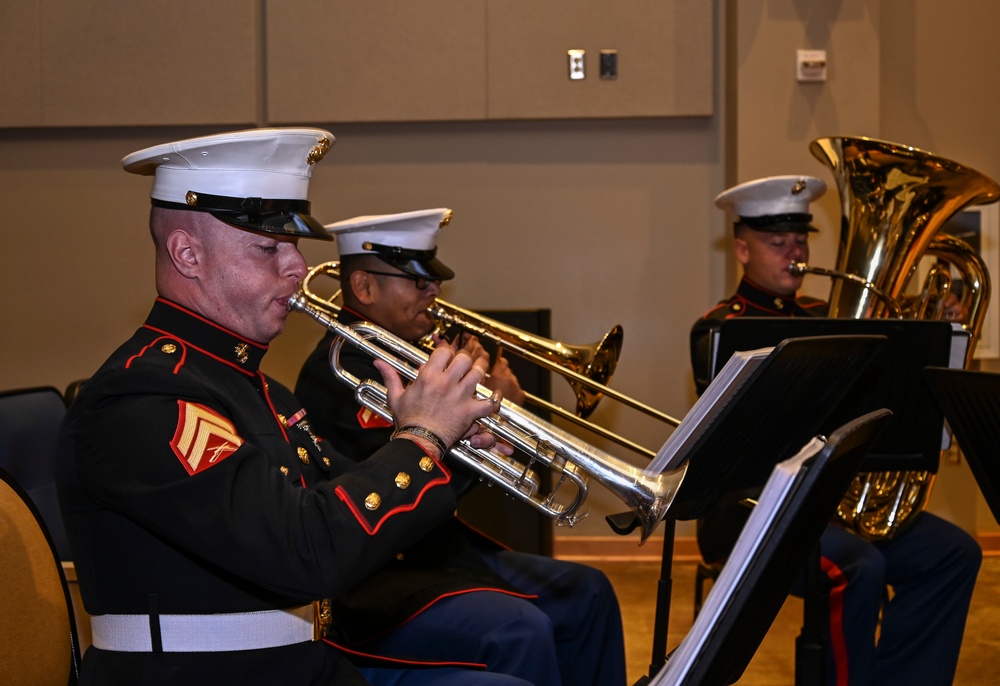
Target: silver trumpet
{"x":571,"y":460}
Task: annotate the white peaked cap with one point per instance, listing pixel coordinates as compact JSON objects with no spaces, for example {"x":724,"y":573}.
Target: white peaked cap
{"x":256,"y":179}
{"x":407,"y":240}
{"x":775,"y":203}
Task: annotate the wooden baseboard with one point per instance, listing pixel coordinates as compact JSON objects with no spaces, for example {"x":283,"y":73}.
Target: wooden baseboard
{"x":583,"y":548}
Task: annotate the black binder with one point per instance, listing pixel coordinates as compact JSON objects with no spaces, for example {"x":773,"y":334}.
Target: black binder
{"x":971,"y":403}
{"x":751,"y":589}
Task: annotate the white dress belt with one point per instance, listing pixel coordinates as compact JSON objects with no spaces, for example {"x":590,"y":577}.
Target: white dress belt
{"x":206,"y":633}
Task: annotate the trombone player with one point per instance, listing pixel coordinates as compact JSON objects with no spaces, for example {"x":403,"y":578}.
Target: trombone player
{"x":453,"y":595}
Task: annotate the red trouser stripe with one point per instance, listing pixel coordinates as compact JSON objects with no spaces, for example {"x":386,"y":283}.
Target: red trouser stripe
{"x":838,"y":583}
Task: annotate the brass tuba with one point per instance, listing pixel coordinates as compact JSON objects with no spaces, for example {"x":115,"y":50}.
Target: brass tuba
{"x":894,"y":200}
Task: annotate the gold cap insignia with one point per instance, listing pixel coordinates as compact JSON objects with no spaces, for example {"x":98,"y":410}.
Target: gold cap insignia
{"x":241,"y":350}
{"x":799,"y":186}
{"x":445,"y":220}
{"x":319,"y":151}
{"x":373,"y":501}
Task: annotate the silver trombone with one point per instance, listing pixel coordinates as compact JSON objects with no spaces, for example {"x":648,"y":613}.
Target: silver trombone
{"x":571,"y":460}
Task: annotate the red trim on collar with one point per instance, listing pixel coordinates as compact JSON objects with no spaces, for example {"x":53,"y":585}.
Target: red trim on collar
{"x":188,"y":344}
{"x":210,"y":322}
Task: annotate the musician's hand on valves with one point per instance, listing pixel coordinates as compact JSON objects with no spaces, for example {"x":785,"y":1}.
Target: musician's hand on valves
{"x":501,"y":377}
{"x":441,"y":401}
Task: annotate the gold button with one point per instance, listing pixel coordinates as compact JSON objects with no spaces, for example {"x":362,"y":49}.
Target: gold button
{"x":303,"y":455}
{"x":426,"y":464}
{"x":373,"y":501}
{"x":169,"y":348}
{"x":400,"y":557}
{"x":326,"y":461}
{"x":402,"y":480}
{"x":284,"y":470}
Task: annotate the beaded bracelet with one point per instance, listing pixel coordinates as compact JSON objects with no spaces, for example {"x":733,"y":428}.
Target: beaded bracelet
{"x":425,"y":433}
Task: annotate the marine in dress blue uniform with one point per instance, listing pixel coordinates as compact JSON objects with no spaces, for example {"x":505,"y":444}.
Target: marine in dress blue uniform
{"x":914,"y":636}
{"x":209,"y":522}
{"x":454,"y":594}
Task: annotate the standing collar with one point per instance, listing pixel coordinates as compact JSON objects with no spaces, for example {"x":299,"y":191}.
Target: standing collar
{"x":203,"y":334}
{"x":767,"y":300}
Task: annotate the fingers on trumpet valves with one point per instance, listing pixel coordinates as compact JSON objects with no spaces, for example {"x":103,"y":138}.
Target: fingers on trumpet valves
{"x":495,"y":397}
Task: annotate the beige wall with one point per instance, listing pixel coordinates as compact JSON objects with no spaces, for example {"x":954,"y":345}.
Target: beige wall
{"x":605,"y":221}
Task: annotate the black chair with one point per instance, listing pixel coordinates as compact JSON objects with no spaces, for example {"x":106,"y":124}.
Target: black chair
{"x":38,"y":637}
{"x":73,"y":389}
{"x":29,"y":425}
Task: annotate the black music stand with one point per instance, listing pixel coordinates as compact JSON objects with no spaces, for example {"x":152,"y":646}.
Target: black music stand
{"x":777,"y":540}
{"x":913,"y":437}
{"x":971,"y":403}
{"x":783,"y":405}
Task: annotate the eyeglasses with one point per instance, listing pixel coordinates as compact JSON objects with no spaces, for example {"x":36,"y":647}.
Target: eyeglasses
{"x":421,"y":282}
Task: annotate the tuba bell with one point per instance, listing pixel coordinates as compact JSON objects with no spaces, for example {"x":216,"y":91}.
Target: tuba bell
{"x":894,"y":201}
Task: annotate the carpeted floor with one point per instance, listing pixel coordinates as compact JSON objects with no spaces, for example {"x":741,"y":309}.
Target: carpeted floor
{"x":773,"y":664}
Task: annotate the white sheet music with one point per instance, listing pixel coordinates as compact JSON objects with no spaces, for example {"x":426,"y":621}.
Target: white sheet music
{"x":696,"y":422}
{"x":779,"y":486}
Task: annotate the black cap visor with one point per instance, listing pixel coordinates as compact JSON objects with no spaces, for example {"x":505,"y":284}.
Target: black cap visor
{"x":433,"y":268}
{"x":283,"y":217}
{"x":779,"y":223}
{"x":416,"y":262}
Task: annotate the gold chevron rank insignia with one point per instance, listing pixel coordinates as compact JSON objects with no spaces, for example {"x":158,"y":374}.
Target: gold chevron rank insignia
{"x":203,"y":437}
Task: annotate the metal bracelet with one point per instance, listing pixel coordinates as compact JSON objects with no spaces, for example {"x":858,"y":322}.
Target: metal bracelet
{"x":425,"y":433}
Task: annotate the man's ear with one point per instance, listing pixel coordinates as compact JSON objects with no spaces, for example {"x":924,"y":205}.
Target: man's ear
{"x":742,"y":250}
{"x":184,"y":252}
{"x":364,"y":287}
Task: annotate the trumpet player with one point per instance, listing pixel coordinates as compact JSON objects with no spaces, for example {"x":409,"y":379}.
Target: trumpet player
{"x":896,"y":608}
{"x":208,"y":523}
{"x":452,"y":596}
